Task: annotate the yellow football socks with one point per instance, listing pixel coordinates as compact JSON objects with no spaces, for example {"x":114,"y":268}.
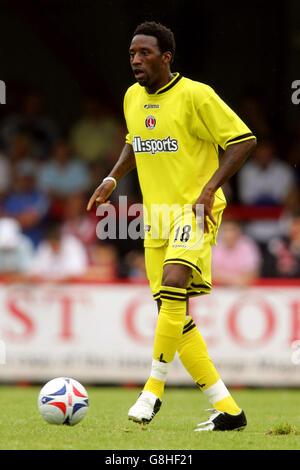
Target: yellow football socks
{"x":228,"y":405}
{"x":170,"y":323}
{"x":168,"y":334}
{"x":155,"y":386}
{"x":193,"y":354}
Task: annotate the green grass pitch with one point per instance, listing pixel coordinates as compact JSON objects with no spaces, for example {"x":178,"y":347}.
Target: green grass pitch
{"x":273,"y":422}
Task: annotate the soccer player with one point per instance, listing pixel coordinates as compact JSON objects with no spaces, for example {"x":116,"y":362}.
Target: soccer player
{"x":175,"y":126}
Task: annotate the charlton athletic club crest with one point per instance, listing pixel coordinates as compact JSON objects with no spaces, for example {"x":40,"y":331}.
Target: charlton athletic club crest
{"x":150,"y":122}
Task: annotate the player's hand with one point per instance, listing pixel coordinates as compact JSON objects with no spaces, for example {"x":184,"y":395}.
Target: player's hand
{"x":206,"y":198}
{"x":101,"y":194}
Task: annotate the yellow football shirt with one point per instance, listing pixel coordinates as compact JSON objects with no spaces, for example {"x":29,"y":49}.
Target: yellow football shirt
{"x":175,"y":134}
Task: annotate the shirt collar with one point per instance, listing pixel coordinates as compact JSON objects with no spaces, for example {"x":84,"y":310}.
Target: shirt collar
{"x":169,"y":85}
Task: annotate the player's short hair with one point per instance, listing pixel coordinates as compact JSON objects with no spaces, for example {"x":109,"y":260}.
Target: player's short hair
{"x":165,"y":37}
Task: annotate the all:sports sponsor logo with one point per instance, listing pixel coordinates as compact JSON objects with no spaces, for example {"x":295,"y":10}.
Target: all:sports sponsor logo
{"x":154,"y":145}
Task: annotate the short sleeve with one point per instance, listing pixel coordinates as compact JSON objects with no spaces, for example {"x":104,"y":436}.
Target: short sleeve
{"x":218,"y":123}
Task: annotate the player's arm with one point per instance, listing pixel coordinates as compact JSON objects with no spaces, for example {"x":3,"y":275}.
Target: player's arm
{"x":233,"y":158}
{"x":124,"y":165}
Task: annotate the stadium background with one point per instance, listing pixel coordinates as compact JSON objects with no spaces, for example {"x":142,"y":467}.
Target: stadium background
{"x":97,"y":325}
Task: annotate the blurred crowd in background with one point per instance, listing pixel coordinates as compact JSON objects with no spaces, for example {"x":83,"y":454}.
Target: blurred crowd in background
{"x":48,"y":174}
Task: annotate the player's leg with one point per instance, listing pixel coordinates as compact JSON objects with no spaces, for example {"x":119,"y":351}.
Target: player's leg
{"x":193,"y":354}
{"x":168,"y":334}
{"x":192,"y":349}
{"x":169,"y":325}
{"x":149,"y":402}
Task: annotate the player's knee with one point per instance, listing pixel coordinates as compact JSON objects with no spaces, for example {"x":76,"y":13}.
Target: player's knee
{"x":176,"y":275}
{"x":174,"y":282}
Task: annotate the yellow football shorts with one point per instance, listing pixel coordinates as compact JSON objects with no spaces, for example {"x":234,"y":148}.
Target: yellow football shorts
{"x":187,"y":245}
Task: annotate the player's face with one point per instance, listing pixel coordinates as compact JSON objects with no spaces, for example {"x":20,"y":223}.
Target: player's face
{"x":149,"y":65}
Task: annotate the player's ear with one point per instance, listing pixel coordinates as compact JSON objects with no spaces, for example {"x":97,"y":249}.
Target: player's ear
{"x":167,"y":57}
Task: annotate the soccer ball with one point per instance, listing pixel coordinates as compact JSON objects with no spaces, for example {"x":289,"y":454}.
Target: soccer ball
{"x":63,"y":401}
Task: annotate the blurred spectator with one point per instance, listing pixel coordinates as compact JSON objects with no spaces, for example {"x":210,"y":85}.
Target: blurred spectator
{"x":27,"y":204}
{"x":135,"y":266}
{"x":16,"y":250}
{"x":96,"y":136}
{"x":294,"y":153}
{"x":283,"y":257}
{"x":21,"y":150}
{"x":5,"y":175}
{"x":252,"y":111}
{"x":59,"y":256}
{"x":104,"y":265}
{"x":292,"y":206}
{"x":63,"y":175}
{"x":77,"y":221}
{"x":236,"y":258}
{"x":264,"y":181}
{"x":31,"y":120}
